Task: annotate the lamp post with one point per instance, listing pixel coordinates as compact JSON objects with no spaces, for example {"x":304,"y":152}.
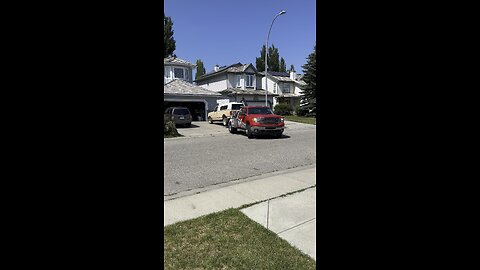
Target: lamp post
{"x":266,"y":58}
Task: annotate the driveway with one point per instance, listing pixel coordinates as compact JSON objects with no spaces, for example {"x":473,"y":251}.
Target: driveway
{"x":204,"y":129}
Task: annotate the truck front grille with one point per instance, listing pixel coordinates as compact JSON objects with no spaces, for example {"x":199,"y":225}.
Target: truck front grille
{"x":270,"y":120}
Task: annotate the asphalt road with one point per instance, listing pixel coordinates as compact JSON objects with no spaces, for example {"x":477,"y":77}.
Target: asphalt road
{"x":198,"y":162}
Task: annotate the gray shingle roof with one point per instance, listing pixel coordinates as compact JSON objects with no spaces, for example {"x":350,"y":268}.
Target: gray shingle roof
{"x":279,"y":76}
{"x":180,"y":87}
{"x":237,"y":91}
{"x":177,"y":61}
{"x":235,"y":68}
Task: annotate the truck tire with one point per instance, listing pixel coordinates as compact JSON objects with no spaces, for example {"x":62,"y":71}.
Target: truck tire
{"x":231,"y":128}
{"x":278,"y":134}
{"x":225,"y":120}
{"x":248,"y":131}
{"x":210,"y":120}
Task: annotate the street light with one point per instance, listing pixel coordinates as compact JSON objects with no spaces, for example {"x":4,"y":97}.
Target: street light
{"x":266,"y":58}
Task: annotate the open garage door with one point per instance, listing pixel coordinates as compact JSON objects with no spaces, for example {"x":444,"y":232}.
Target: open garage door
{"x":198,"y":108}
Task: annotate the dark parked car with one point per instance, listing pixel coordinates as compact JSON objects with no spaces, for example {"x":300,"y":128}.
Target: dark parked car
{"x":179,"y":115}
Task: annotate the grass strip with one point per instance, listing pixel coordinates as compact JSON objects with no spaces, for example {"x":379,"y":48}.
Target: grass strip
{"x":228,"y":240}
{"x":301,"y":119}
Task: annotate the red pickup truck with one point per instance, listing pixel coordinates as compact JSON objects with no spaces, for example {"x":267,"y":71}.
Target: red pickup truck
{"x":257,"y":120}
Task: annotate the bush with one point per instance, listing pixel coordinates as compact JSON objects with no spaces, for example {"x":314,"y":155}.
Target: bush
{"x":283,"y":109}
{"x":301,"y":111}
{"x":169,"y":129}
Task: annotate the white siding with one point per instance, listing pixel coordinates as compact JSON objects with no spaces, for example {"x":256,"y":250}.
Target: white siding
{"x":215,"y":83}
{"x":270,"y":85}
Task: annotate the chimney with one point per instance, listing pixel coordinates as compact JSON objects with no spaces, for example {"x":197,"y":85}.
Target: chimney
{"x":292,"y":75}
{"x":215,"y":68}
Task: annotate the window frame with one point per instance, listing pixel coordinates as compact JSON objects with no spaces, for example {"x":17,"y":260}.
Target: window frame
{"x":168,"y":72}
{"x":247,"y":77}
{"x":183,"y":73}
{"x":237,"y":82}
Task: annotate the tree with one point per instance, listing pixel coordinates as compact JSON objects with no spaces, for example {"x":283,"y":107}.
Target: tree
{"x":310,"y":78}
{"x":168,"y":40}
{"x":283,"y":66}
{"x":292,"y":68}
{"x":200,"y":69}
{"x":260,"y":61}
{"x":273,"y":59}
{"x":274,"y":62}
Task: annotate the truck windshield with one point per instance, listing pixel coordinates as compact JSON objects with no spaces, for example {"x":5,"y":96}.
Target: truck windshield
{"x":236,"y":106}
{"x":260,"y":110}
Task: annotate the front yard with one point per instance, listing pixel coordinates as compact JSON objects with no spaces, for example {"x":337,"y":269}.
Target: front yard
{"x":301,"y":119}
{"x":228,"y":240}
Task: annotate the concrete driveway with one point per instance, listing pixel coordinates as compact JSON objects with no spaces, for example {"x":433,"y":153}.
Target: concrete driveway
{"x":204,"y":129}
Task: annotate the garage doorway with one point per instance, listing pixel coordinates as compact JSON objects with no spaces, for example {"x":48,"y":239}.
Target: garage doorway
{"x":196,"y":108}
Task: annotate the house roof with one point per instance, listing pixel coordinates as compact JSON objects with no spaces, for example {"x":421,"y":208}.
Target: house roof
{"x":290,"y":95}
{"x":181,"y":87}
{"x":237,"y":91}
{"x":278,"y":76}
{"x":177,"y":61}
{"x":235,"y":68}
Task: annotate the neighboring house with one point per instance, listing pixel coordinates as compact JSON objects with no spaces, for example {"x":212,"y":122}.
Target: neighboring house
{"x":238,"y":81}
{"x":179,"y":91}
{"x":286,"y":85}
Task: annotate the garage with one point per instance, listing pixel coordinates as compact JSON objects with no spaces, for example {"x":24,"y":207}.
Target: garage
{"x":196,"y":108}
{"x":199,"y":101}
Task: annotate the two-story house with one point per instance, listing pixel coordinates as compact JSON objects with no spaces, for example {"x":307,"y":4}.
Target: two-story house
{"x":238,"y":81}
{"x":179,"y":91}
{"x":287,"y":86}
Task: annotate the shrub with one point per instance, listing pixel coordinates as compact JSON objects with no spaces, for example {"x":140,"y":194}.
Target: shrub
{"x":301,"y":111}
{"x":169,"y":129}
{"x":283,"y":109}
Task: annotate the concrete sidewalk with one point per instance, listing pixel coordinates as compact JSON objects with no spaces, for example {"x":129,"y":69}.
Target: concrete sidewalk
{"x":292,"y":217}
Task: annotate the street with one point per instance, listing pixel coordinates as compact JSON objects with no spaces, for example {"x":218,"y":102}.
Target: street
{"x":197,"y":162}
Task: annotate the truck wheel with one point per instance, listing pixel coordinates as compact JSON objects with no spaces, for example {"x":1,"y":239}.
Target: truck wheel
{"x":278,"y":135}
{"x":210,"y":120}
{"x":249,"y":131}
{"x":225,"y":120}
{"x":231,"y":128}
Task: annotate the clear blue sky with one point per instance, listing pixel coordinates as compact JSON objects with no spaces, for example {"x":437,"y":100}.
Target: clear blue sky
{"x":226,"y":32}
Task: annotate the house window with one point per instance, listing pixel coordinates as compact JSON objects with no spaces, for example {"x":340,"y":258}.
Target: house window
{"x":179,"y":73}
{"x":237,"y":83}
{"x":249,"y":82}
{"x":167,"y":72}
{"x":285,"y":88}
{"x":274,"y":88}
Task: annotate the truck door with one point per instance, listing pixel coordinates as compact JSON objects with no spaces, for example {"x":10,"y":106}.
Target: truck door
{"x":242,"y":117}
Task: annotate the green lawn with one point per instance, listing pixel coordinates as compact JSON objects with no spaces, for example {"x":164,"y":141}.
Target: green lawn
{"x":301,"y":119}
{"x":228,"y":240}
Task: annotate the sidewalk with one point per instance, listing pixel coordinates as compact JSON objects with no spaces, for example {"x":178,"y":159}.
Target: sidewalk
{"x":292,"y":217}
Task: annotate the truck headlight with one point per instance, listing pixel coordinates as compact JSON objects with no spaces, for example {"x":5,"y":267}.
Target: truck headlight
{"x":282,"y":119}
{"x":255,"y":119}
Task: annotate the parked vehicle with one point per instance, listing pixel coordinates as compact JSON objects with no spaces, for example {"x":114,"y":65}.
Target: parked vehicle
{"x":179,"y":115}
{"x":256,"y":120}
{"x":224,"y":112}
